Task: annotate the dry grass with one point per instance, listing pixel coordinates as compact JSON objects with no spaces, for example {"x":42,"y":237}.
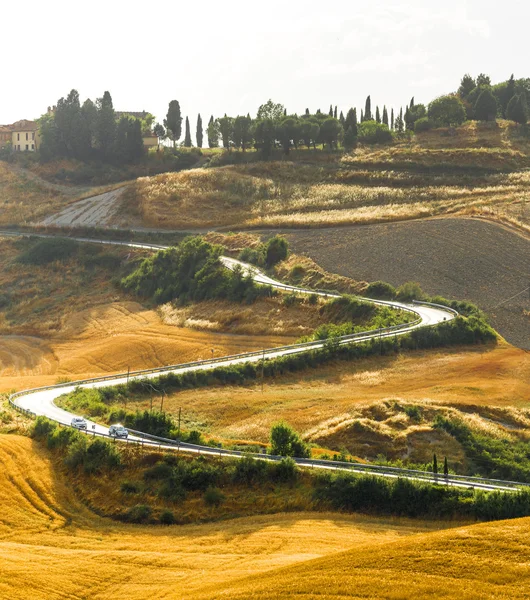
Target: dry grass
{"x":322,"y":403}
{"x":76,"y":554}
{"x":478,"y":170}
{"x":25,"y":198}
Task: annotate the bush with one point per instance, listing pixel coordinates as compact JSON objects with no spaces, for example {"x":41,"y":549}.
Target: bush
{"x":285,"y":441}
{"x":409,"y":291}
{"x":276,"y":250}
{"x":172,"y":490}
{"x":371,"y":132}
{"x":49,"y":250}
{"x":249,"y":471}
{"x":380,"y":289}
{"x":255,"y":256}
{"x":139,"y":513}
{"x":130,"y":487}
{"x":158,"y":472}
{"x":447,"y":111}
{"x":167,"y":518}
{"x":213,"y":497}
{"x":423,"y":124}
{"x":285,"y":471}
{"x":42,"y":428}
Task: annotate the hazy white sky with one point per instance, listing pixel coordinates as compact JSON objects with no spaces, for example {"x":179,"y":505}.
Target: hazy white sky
{"x":231,"y":55}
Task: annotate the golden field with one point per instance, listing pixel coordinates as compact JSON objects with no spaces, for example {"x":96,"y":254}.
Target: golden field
{"x":421,"y":178}
{"x":52,"y":546}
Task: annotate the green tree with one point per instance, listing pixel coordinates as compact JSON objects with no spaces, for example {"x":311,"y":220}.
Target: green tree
{"x":226,"y":130}
{"x":286,"y":442}
{"x":270,"y":110}
{"x":350,"y":139}
{"x":276,"y":250}
{"x":330,"y":110}
{"x":106,"y":125}
{"x":368,"y":109}
{"x":265,"y":136}
{"x":447,"y":111}
{"x":242,"y":132}
{"x":89,"y":114}
{"x":351,"y":121}
{"x":413,"y":114}
{"x":135,"y":141}
{"x":288,"y":132}
{"x":187,"y":136}
{"x":50,"y":145}
{"x":434,"y":464}
{"x":213,"y":133}
{"x":377,"y":115}
{"x":371,"y":132}
{"x":485,"y":108}
{"x":446,"y":467}
{"x":517,"y":110}
{"x":198,"y":131}
{"x":385,"y":116}
{"x":173,"y":122}
{"x":160,"y":132}
{"x":483,"y":79}
{"x":71,"y":127}
{"x":342,"y":119}
{"x":309,"y":131}
{"x":467,"y":84}
{"x":331,"y":132}
{"x":392,"y":118}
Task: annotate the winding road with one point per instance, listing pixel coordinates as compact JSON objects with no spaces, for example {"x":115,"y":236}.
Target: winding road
{"x":40,"y":401}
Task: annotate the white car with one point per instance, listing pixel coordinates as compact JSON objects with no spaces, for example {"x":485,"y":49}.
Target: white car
{"x":78,"y":423}
{"x":118,"y":431}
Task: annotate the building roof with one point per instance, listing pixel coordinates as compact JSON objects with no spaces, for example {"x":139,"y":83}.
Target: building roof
{"x":24,"y":125}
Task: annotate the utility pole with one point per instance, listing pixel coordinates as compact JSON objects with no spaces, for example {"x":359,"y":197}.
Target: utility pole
{"x":178,"y":435}
{"x":262,"y":369}
{"x":128,"y":372}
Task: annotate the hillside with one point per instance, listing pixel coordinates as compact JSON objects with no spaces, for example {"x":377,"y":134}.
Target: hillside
{"x":477,"y":169}
{"x":76,"y":554}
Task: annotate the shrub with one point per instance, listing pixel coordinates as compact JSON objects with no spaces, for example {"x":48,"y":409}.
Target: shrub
{"x":423,"y":124}
{"x":213,"y":497}
{"x":167,"y":518}
{"x":409,"y":291}
{"x":285,"y":471}
{"x":49,"y":250}
{"x":276,"y":250}
{"x":371,"y":132}
{"x":447,"y":111}
{"x":173,"y":490}
{"x":255,"y":256}
{"x":380,"y":289}
{"x":139,"y":513}
{"x":198,"y":475}
{"x":290,"y":299}
{"x":285,"y":441}
{"x":249,"y":471}
{"x":158,"y":472}
{"x":130,"y":487}
{"x":43,"y":427}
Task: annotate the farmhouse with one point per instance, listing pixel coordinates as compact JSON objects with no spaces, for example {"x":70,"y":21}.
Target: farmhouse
{"x":23,"y":135}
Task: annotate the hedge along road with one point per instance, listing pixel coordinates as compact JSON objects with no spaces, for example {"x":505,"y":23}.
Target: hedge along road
{"x":40,"y":401}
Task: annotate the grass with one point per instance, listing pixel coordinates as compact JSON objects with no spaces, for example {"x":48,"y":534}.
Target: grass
{"x":480,"y":171}
{"x":43,"y":516}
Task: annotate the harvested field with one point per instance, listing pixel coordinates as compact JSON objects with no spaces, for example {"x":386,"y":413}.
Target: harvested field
{"x":76,"y":554}
{"x":457,"y":258}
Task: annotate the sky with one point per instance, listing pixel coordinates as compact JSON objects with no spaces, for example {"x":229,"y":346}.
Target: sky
{"x":231,"y":56}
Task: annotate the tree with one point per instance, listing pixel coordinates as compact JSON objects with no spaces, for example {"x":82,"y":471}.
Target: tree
{"x":467,"y":84}
{"x":362,"y":116}
{"x":508,"y":91}
{"x":106,"y":125}
{"x":285,"y":441}
{"x":213,"y":133}
{"x":447,"y":110}
{"x":187,"y":136}
{"x":265,"y":136}
{"x":270,"y":110}
{"x":485,"y":108}
{"x":335,"y":112}
{"x":198,"y":134}
{"x":434,"y":464}
{"x":371,"y":132}
{"x":342,"y":119}
{"x":446,"y":467}
{"x":276,"y":250}
{"x":287,"y":132}
{"x":392,"y":118}
{"x":309,"y":131}
{"x":331,"y":132}
{"x":411,"y":102}
{"x":413,"y":113}
{"x":377,"y":115}
{"x":89,"y":113}
{"x":160,"y":132}
{"x":173,"y":122}
{"x":385,"y":116}
{"x":242,"y":132}
{"x":73,"y":132}
{"x":135,"y":141}
{"x":350,"y":139}
{"x":368,"y":109}
{"x":226,"y":130}
{"x":351,"y":121}
{"x":307,"y":112}
{"x":517,"y":110}
{"x":483,"y":80}
{"x":330,"y":110}
{"x":399,"y":123}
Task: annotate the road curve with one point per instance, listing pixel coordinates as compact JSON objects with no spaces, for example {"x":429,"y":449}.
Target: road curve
{"x":40,"y":401}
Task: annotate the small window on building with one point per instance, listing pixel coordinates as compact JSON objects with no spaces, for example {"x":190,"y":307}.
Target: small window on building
{"x":27,"y":147}
{"x":33,"y":146}
{"x":27,"y":136}
{"x":18,"y":137}
{"x":33,"y":136}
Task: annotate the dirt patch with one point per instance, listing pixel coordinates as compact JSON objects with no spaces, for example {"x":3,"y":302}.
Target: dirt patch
{"x":457,"y":258}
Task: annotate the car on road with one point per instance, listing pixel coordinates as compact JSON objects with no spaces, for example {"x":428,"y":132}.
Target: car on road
{"x":118,"y":431}
{"x":78,"y":423}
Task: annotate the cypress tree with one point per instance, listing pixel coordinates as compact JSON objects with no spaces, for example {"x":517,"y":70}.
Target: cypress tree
{"x":284,"y":112}
{"x":307,"y":112}
{"x":517,"y":110}
{"x":509,"y":93}
{"x":106,"y":125}
{"x":173,"y":121}
{"x":355,"y":116}
{"x":486,"y":106}
{"x":392,"y":118}
{"x":199,"y":131}
{"x":342,"y":119}
{"x":385,"y":116}
{"x":330,"y":110}
{"x":411,"y":102}
{"x":377,"y":114}
{"x":446,"y":467}
{"x":187,"y":137}
{"x":362,"y":116}
{"x":434,"y":464}
{"x":350,"y":138}
{"x":368,"y":109}
{"x":335,"y":112}
{"x":213,"y":133}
